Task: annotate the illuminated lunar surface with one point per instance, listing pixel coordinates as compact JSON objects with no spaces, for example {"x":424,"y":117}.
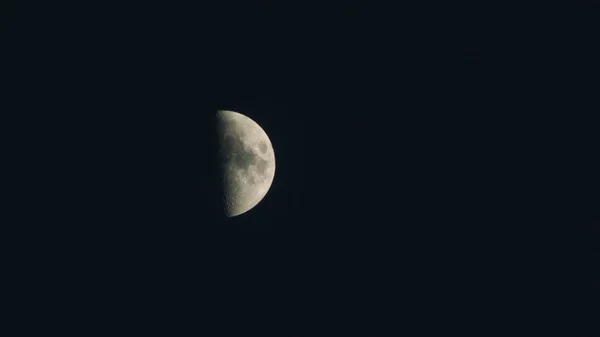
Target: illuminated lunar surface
{"x":247,"y":162}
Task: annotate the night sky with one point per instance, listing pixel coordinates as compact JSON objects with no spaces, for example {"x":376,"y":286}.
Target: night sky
{"x":433,"y":167}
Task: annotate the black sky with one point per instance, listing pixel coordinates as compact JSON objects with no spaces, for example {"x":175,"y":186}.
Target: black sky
{"x":433,"y":166}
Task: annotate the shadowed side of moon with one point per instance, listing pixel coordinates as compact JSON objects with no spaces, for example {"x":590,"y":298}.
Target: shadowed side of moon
{"x":247,"y":162}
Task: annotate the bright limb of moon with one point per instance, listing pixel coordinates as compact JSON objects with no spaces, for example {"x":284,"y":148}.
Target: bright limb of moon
{"x":247,"y":162}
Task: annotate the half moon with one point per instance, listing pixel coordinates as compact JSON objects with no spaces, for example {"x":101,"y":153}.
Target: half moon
{"x":247,"y":162}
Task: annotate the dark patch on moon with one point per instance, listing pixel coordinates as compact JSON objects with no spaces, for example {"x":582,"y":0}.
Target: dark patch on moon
{"x":235,"y":153}
{"x":263,"y":147}
{"x":261,"y":166}
{"x":244,"y":159}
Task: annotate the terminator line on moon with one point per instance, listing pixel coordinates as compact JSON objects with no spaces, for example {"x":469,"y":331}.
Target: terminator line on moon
{"x":247,"y":162}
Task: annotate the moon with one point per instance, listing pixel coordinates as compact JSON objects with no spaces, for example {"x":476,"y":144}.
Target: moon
{"x":247,"y":162}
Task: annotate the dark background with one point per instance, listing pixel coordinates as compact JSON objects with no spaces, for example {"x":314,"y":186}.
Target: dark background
{"x":434,"y":167}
